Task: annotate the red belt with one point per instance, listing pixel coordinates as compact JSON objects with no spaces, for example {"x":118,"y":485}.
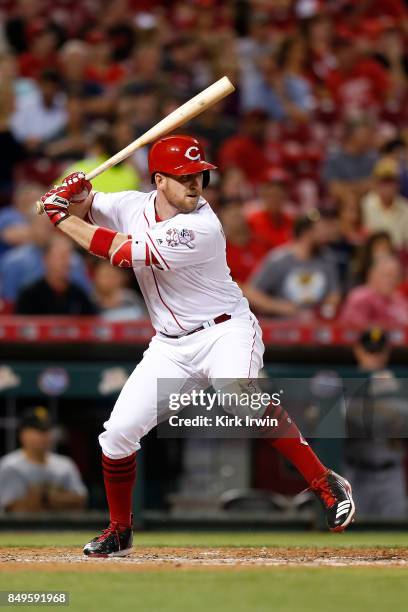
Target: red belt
{"x":220,"y":319}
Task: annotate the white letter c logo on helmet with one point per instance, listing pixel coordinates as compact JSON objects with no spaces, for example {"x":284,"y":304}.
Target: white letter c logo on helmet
{"x":190,"y":153}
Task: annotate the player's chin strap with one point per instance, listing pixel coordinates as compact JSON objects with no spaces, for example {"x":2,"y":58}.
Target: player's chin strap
{"x":102,"y":242}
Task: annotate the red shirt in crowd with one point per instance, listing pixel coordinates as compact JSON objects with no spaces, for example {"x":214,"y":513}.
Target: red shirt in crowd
{"x":364,"y":306}
{"x":243,"y":259}
{"x":245,"y":153}
{"x":366,"y":84}
{"x":31,"y":66}
{"x":110,"y":75}
{"x":271,"y":231}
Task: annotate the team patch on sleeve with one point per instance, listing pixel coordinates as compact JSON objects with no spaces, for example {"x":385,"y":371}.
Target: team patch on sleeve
{"x":175,"y":237}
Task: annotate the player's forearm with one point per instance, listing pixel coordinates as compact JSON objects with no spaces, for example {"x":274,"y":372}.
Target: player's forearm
{"x":83,"y":233}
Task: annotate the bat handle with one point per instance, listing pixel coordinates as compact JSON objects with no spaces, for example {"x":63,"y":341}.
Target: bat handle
{"x":39,"y":207}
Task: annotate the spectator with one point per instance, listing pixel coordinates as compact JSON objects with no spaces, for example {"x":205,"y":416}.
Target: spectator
{"x":383,"y":208}
{"x":247,"y":150}
{"x":234,"y":185}
{"x":376,"y":415}
{"x":296,"y":279}
{"x":34,"y":479}
{"x":270,"y":223}
{"x":349,"y":168}
{"x":345,"y":236}
{"x":278,"y":86}
{"x":73,"y":60}
{"x":356,"y":82}
{"x":396,"y":148}
{"x":378,"y":301}
{"x":23,"y":265}
{"x":41,"y":53}
{"x":42,"y":114}
{"x":122,"y":177}
{"x":15,"y":220}
{"x":377,"y":245}
{"x":115,"y":301}
{"x":71,"y":141}
{"x":101,"y":69}
{"x":15,"y":151}
{"x":244,"y":248}
{"x":55,"y":293}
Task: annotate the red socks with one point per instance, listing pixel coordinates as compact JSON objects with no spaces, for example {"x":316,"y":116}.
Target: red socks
{"x":119,"y":476}
{"x":291,"y":444}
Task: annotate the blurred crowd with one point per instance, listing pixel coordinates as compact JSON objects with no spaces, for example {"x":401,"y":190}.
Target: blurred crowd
{"x":312,"y":148}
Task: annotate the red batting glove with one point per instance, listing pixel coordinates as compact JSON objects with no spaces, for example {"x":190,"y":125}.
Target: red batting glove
{"x":56,"y":203}
{"x":79,"y":187}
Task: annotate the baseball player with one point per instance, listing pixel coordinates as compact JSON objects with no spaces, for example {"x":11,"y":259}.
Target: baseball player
{"x":204,"y":328}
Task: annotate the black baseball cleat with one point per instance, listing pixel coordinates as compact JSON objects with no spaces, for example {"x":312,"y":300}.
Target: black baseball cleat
{"x":115,"y":541}
{"x":335,"y":494}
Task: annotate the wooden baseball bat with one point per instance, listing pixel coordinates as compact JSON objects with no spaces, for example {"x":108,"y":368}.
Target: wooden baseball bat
{"x":206,"y":98}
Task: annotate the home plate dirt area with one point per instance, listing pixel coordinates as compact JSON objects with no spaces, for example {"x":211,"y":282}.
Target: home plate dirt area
{"x":155,"y":557}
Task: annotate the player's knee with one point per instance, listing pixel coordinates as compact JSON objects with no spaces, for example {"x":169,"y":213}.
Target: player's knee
{"x":117,"y":445}
{"x":121,"y":439}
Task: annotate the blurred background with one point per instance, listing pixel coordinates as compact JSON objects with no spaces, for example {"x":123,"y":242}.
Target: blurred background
{"x":311,"y":190}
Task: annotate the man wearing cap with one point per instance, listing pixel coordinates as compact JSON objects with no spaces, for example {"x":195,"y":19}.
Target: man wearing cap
{"x":205,"y":332}
{"x":32,"y":478}
{"x":377,"y":419}
{"x":384,"y":209}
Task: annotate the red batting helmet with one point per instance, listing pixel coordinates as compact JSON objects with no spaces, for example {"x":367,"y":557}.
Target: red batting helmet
{"x":179,"y":155}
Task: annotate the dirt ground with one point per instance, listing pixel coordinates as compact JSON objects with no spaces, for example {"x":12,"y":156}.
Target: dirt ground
{"x":59,"y":559}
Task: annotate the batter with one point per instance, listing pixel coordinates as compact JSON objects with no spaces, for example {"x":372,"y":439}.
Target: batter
{"x":205,"y":330}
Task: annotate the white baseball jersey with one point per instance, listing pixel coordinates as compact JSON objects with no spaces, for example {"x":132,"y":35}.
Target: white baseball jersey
{"x":180,"y":263}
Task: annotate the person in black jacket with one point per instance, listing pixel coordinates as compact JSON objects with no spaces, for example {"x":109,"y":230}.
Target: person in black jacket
{"x":55,"y":294}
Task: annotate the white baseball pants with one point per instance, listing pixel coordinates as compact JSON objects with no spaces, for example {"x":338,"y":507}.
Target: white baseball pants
{"x":229,"y":350}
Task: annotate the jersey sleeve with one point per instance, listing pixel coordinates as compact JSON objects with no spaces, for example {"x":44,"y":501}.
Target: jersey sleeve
{"x":109,"y":210}
{"x":173,"y":246}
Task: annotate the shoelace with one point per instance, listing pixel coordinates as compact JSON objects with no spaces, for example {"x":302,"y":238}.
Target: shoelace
{"x":111,"y":529}
{"x":322,"y":487}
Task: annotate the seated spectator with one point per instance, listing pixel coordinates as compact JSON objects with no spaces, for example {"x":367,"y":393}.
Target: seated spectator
{"x":383,"y":208}
{"x":270,"y":223}
{"x":244,"y":248}
{"x":115,"y":301}
{"x":34,"y":479}
{"x":41,"y":114}
{"x":378,"y":301}
{"x":72,"y":141}
{"x":55,"y":293}
{"x":24,"y":264}
{"x":345,"y":236}
{"x":122,"y":177}
{"x":15,"y":151}
{"x":15,"y":220}
{"x":42,"y":51}
{"x":356,"y":82}
{"x":396,"y":148}
{"x":377,"y":245}
{"x":296,"y":279}
{"x":350,"y":166}
{"x":247,"y":150}
{"x":233,"y":185}
{"x":278,"y":85}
